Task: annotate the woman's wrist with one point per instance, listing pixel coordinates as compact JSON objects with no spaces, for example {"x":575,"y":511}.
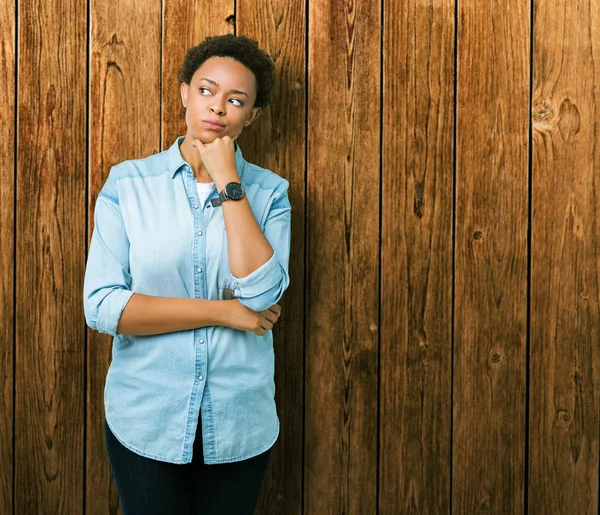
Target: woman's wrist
{"x":225,"y":178}
{"x":224,"y":310}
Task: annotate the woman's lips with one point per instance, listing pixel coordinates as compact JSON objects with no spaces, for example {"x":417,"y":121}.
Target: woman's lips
{"x":213,"y":126}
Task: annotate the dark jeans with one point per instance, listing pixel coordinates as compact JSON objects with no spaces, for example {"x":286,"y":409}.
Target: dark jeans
{"x":151,"y":487}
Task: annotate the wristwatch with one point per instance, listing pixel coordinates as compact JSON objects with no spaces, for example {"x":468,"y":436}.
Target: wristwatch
{"x":231,"y":191}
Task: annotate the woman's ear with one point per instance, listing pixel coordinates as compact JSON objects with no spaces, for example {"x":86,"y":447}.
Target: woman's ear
{"x":185,"y":88}
{"x":254,"y":114}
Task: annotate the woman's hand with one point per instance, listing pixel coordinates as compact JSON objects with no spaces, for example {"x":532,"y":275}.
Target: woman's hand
{"x":219,"y":159}
{"x":242,"y":318}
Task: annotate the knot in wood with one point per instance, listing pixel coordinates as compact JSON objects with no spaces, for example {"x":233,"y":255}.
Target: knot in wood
{"x":543,"y":113}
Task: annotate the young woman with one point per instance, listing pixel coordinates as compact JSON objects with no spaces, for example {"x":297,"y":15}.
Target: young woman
{"x":188,"y":259}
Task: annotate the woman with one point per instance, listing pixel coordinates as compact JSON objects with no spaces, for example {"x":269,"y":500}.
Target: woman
{"x":188,"y":259}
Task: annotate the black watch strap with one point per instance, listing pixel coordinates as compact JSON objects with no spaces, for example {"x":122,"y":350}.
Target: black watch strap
{"x":216,"y":202}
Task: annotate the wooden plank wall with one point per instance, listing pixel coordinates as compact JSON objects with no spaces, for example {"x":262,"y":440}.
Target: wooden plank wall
{"x":7,"y":256}
{"x":416,"y":258}
{"x":49,"y":343}
{"x":565,"y":258}
{"x":490,"y":309}
{"x":438,"y":348}
{"x":342,"y":251}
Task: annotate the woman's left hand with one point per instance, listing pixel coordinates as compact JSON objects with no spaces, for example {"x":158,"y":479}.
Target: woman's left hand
{"x":219,"y":159}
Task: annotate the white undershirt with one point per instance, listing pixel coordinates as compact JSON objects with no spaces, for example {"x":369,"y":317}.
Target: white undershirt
{"x":204,"y":190}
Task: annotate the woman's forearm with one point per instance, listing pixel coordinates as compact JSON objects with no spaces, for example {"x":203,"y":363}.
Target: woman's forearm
{"x":146,"y":314}
{"x":248,"y":249}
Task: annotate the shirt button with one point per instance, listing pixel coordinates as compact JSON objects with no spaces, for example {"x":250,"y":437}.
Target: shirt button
{"x":196,"y":206}
{"x":201,"y":340}
{"x":199,"y":233}
{"x":199,"y":270}
{"x":200,"y":378}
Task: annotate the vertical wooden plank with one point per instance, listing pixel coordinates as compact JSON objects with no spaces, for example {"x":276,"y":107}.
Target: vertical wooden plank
{"x":7,"y":258}
{"x":50,"y":245}
{"x":491,"y":258}
{"x":565,"y":260}
{"x":186,"y":23}
{"x":416,"y":286}
{"x":277,"y":142}
{"x":342,"y":257}
{"x":124,"y":124}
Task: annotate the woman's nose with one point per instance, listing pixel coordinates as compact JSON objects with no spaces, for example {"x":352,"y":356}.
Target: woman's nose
{"x":217,"y":108}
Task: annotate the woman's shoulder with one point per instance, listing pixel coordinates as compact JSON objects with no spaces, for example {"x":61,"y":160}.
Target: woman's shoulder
{"x":144,"y":167}
{"x":148,"y":166}
{"x":265,"y":178}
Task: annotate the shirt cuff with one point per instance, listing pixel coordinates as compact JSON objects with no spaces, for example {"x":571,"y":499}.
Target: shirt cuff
{"x":261,"y":280}
{"x":111,"y":309}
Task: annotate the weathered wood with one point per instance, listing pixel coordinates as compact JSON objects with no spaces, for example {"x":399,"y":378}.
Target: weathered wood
{"x":337,"y":425}
{"x":342,"y":257}
{"x":186,"y":23}
{"x":7,"y":258}
{"x":124,"y":124}
{"x":276,"y":141}
{"x":491,"y":259}
{"x":565,"y":259}
{"x":50,"y":252}
{"x":416,"y":268}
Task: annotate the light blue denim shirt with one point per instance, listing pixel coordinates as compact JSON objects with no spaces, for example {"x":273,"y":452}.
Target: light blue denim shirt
{"x":152,"y":236}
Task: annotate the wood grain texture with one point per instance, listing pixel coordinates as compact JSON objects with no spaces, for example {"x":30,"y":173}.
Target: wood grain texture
{"x":565,"y":267}
{"x":416,"y":268}
{"x":124,"y":124}
{"x":441,"y":443}
{"x":342,"y":258}
{"x":277,"y":141}
{"x":186,"y":24}
{"x":7,"y":258}
{"x":491,"y":258}
{"x":50,"y":244}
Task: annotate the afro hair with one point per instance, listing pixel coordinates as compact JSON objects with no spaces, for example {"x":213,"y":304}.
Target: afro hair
{"x":240,"y":48}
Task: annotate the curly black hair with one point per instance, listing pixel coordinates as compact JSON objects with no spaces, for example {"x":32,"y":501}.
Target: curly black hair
{"x":240,"y":48}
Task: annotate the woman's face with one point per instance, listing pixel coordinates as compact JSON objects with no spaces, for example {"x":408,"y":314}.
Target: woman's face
{"x":219,"y":99}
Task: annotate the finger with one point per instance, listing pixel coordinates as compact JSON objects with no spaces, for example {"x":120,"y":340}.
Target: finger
{"x":266,"y":325}
{"x":275,"y":308}
{"x":198,"y":144}
{"x":271,"y":317}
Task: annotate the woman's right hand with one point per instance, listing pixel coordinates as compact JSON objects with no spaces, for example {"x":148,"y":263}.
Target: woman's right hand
{"x":242,"y":318}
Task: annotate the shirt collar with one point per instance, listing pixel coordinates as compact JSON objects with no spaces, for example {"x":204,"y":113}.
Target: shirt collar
{"x":176,"y":161}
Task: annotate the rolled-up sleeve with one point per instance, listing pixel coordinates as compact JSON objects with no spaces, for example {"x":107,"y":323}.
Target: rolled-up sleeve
{"x":107,"y":280}
{"x":265,"y":286}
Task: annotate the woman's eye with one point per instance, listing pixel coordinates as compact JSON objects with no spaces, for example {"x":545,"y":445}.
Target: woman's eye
{"x":202,"y":91}
{"x":239,"y":102}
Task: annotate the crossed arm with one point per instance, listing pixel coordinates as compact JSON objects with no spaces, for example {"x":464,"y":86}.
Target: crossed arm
{"x":111,"y":306}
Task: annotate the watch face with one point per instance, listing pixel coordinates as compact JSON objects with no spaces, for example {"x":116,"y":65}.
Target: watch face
{"x":234,"y":190}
